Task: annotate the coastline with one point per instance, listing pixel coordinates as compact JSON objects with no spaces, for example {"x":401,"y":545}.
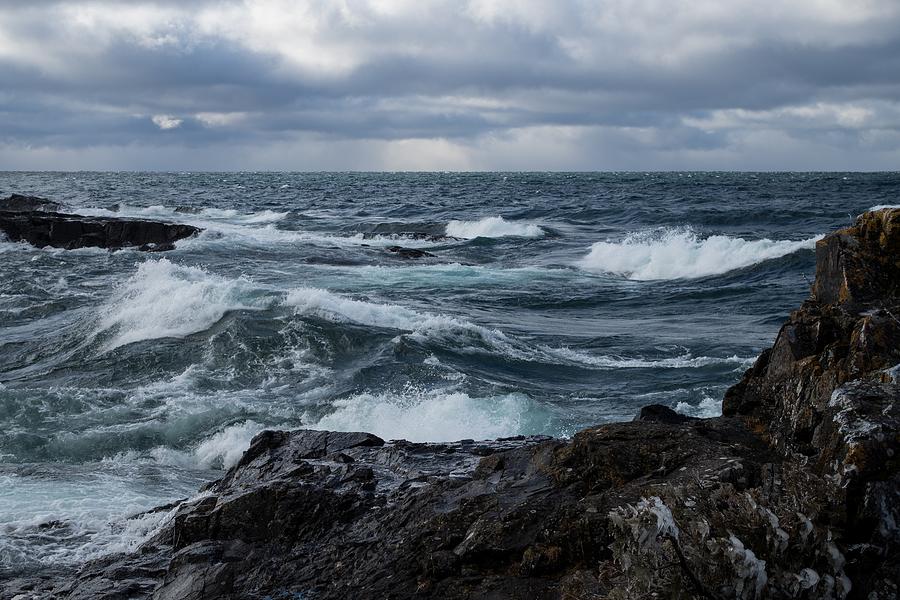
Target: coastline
{"x":794,"y":492}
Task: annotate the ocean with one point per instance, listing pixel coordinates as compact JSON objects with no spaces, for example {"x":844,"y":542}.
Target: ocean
{"x":546,"y":303}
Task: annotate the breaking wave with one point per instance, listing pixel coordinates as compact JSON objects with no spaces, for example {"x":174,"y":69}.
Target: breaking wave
{"x":492,"y":227}
{"x":163,"y":299}
{"x":436,"y":416}
{"x":681,"y":254}
{"x":466,"y":336}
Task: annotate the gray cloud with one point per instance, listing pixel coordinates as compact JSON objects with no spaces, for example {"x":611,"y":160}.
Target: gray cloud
{"x":613,"y":84}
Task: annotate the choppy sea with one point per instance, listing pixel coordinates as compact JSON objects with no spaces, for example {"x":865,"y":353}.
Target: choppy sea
{"x":552,"y":301}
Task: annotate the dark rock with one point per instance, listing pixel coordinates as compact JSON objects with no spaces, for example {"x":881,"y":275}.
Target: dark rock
{"x":794,"y":493}
{"x":41,"y":228}
{"x":657,"y":413}
{"x":411,"y":253}
{"x":23,"y":203}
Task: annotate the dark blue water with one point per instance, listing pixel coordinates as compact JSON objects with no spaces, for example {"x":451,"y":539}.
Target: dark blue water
{"x":551,"y":302}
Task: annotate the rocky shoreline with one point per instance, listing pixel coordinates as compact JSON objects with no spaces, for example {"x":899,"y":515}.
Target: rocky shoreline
{"x":793,"y":493}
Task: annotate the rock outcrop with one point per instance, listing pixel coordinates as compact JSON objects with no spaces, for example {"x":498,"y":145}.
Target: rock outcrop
{"x":36,"y":221}
{"x":793,"y":493}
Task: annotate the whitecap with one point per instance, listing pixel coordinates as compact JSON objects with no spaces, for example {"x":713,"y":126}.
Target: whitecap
{"x":492,"y":227}
{"x":883,"y":206}
{"x":682,"y":361}
{"x":163,"y":299}
{"x":706,"y":408}
{"x":681,"y":254}
{"x":432,"y":416}
{"x":221,"y":450}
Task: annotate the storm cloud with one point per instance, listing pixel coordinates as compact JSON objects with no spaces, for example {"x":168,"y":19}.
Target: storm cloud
{"x":496,"y":84}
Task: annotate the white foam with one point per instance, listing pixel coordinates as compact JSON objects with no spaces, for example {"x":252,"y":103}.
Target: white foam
{"x":435,"y":416}
{"x":492,"y":227}
{"x":158,"y":211}
{"x":681,"y":254}
{"x":883,"y":206}
{"x":163,"y":299}
{"x":89,"y":512}
{"x":708,"y":407}
{"x":221,"y":450}
{"x":225,"y":448}
{"x":683,"y":361}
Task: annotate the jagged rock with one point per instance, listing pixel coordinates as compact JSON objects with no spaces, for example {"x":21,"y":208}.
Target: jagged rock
{"x":34,"y":220}
{"x":794,"y":493}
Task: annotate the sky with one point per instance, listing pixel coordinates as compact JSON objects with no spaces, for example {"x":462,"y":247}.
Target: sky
{"x":450,"y":85}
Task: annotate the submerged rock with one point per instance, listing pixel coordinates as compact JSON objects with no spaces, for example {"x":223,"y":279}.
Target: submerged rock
{"x":794,"y":493}
{"x":409,"y":253}
{"x":34,"y":220}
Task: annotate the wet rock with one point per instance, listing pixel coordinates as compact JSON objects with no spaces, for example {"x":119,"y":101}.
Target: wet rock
{"x":793,"y":493}
{"x":33,"y":220}
{"x":410,"y":253}
{"x":24,"y":203}
{"x":658,"y":413}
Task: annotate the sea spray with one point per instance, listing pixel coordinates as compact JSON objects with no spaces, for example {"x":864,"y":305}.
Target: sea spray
{"x":163,"y":299}
{"x":492,"y":227}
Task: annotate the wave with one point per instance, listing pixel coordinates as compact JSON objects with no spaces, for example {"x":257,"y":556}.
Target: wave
{"x":470,"y":337}
{"x":708,"y":407}
{"x":683,"y":361}
{"x":73,"y":516}
{"x":163,"y":299}
{"x":184,"y":214}
{"x":219,"y":451}
{"x":882,"y":206}
{"x":492,"y":227}
{"x":680,"y":254}
{"x":432,"y":416}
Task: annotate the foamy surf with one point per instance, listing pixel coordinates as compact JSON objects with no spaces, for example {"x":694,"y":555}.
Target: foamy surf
{"x":219,"y":451}
{"x":492,"y":227}
{"x":163,"y":299}
{"x":185,"y":215}
{"x":435,"y":415}
{"x":77,"y":516}
{"x":682,"y":361}
{"x":706,"y":408}
{"x":682,"y":254}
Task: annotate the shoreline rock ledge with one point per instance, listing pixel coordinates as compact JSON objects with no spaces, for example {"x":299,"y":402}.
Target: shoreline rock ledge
{"x":42,"y":222}
{"x":793,"y":493}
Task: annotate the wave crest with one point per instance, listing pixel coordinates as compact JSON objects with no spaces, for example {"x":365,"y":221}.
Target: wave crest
{"x":163,"y":299}
{"x":492,"y":227}
{"x":431,"y":416}
{"x":681,"y":254}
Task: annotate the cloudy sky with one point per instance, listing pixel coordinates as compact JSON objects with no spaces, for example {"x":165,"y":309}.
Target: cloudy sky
{"x":450,"y":85}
